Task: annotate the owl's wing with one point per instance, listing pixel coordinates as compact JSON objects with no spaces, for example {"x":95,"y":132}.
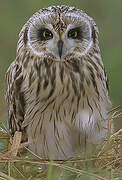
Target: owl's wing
{"x":14,"y":97}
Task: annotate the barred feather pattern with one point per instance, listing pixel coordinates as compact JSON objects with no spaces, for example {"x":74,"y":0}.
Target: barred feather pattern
{"x":61,"y":107}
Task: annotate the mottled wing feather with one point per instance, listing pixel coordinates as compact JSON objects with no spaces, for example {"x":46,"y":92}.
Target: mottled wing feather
{"x":14,"y":97}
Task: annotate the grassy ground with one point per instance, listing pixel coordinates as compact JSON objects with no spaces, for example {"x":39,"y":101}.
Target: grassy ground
{"x":103,"y":164}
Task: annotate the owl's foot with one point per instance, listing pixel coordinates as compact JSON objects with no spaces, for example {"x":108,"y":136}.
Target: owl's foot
{"x":12,"y":153}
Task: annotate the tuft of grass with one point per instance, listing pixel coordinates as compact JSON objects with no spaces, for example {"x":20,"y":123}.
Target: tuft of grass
{"x":23,"y":164}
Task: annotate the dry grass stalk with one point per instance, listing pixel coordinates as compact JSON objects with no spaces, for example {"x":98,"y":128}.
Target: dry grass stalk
{"x":12,"y":153}
{"x":109,"y":156}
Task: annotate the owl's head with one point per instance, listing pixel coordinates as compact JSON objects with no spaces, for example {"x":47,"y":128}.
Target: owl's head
{"x":58,"y":32}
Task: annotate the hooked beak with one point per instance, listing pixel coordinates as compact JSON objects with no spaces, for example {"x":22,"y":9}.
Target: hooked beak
{"x":60,"y":47}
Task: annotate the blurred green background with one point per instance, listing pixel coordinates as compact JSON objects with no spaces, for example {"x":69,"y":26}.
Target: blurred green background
{"x":108,"y":17}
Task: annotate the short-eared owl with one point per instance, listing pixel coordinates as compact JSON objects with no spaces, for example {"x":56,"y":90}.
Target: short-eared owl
{"x":57,"y":90}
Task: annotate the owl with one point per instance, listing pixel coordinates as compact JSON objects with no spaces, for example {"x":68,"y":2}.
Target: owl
{"x":57,"y":88}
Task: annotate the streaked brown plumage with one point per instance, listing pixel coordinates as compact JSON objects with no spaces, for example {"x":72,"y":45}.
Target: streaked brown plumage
{"x":57,"y":90}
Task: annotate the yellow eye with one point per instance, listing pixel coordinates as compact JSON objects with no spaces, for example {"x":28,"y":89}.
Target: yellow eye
{"x":45,"y":34}
{"x":76,"y":34}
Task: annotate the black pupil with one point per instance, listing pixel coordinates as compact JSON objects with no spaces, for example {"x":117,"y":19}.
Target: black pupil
{"x":45,"y":34}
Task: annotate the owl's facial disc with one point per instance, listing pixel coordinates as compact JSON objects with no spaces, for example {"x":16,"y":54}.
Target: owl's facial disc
{"x":62,"y":44}
{"x":74,"y":40}
{"x":48,"y":38}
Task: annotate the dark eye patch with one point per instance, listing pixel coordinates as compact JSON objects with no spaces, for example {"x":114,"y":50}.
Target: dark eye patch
{"x":45,"y":34}
{"x":75,"y":33}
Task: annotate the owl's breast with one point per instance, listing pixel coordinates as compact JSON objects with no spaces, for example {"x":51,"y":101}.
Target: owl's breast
{"x":62,"y":112}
